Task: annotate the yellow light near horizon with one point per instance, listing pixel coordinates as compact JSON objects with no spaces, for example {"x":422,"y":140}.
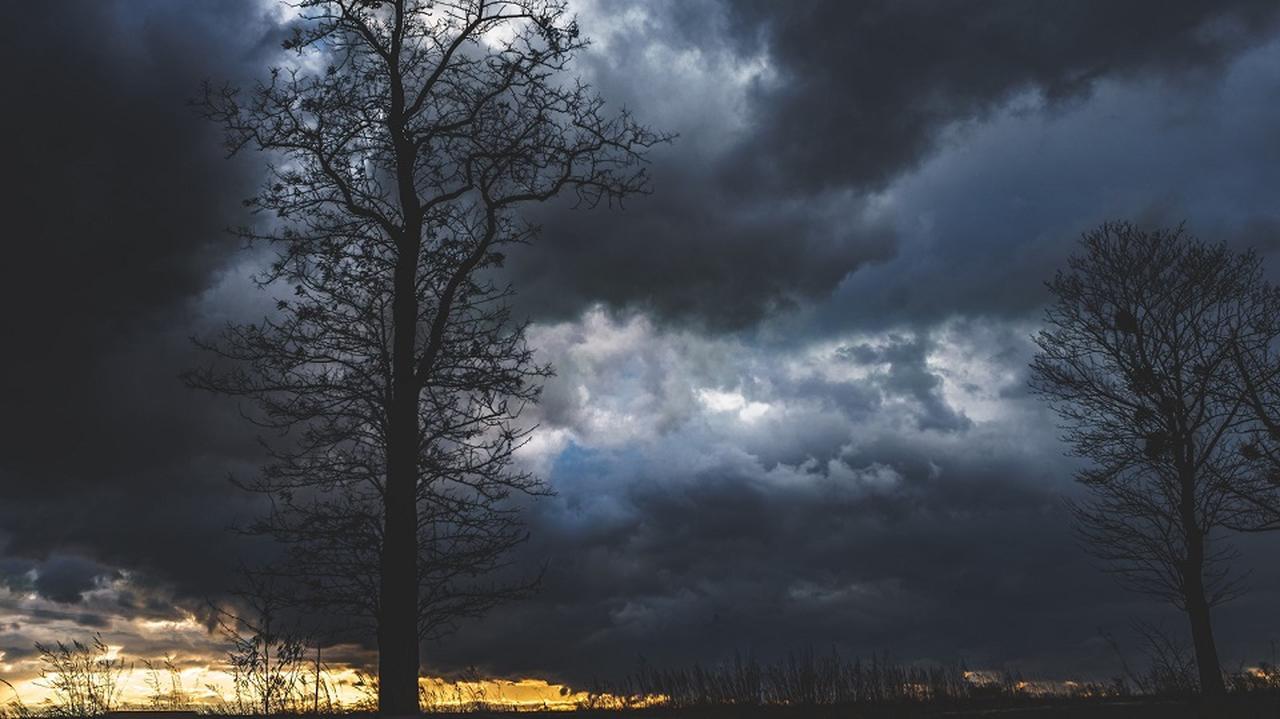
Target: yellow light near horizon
{"x":211,"y":686}
{"x":203,"y":677}
{"x":188,"y":623}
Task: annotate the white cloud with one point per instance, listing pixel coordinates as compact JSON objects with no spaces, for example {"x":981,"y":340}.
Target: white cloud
{"x":647,"y":402}
{"x":733,"y":402}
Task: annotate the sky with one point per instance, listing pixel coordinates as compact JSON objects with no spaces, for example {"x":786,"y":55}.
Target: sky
{"x":790,"y":407}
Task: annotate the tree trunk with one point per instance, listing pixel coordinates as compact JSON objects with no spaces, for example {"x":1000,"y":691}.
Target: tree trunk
{"x":398,"y":659}
{"x":398,"y":620}
{"x":1211,"y":684}
{"x":398,"y":617}
{"x":1193,"y":598}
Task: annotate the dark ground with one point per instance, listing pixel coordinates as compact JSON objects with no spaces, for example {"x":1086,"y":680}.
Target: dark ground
{"x":1260,"y":706}
{"x":1245,"y":707}
{"x":1236,"y":708}
{"x":1254,"y":706}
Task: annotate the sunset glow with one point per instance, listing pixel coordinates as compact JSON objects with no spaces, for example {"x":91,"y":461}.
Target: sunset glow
{"x":206,"y":682}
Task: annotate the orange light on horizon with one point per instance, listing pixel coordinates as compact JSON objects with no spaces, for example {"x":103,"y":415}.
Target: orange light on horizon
{"x":211,"y":685}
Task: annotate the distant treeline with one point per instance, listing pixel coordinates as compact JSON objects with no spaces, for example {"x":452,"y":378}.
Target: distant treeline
{"x":809,"y":678}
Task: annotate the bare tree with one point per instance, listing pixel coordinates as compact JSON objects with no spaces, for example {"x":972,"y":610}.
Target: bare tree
{"x":403,"y":141}
{"x":1137,"y":361}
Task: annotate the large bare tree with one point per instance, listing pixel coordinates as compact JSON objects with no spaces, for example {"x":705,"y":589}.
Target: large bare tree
{"x":403,"y":141}
{"x":1137,"y":359}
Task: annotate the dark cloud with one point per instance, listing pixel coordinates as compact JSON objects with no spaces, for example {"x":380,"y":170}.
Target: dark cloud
{"x":695,"y":252}
{"x":65,"y":579}
{"x":87,"y":620}
{"x":776,"y":214}
{"x":15,"y":653}
{"x":699,"y":567}
{"x":967,"y":561}
{"x":877,"y":82}
{"x":909,"y":374}
{"x":115,"y":208}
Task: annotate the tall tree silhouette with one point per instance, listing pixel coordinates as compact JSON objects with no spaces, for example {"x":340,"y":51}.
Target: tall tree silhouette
{"x":403,"y":140}
{"x":1137,"y":361}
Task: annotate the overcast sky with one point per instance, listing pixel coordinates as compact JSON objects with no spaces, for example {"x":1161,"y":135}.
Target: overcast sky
{"x":790,"y":407}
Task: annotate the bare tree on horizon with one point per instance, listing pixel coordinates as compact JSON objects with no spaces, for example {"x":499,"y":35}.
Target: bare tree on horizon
{"x":1137,"y":360}
{"x":403,"y":144}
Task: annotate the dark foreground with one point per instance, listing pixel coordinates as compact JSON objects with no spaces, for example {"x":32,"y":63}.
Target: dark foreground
{"x":1252,"y":706}
{"x":1241,"y":707}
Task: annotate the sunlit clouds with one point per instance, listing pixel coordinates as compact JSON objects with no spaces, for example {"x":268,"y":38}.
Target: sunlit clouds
{"x":181,"y":660}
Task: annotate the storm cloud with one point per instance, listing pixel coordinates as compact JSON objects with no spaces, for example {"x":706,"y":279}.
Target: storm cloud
{"x":117,"y":203}
{"x":797,"y":125}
